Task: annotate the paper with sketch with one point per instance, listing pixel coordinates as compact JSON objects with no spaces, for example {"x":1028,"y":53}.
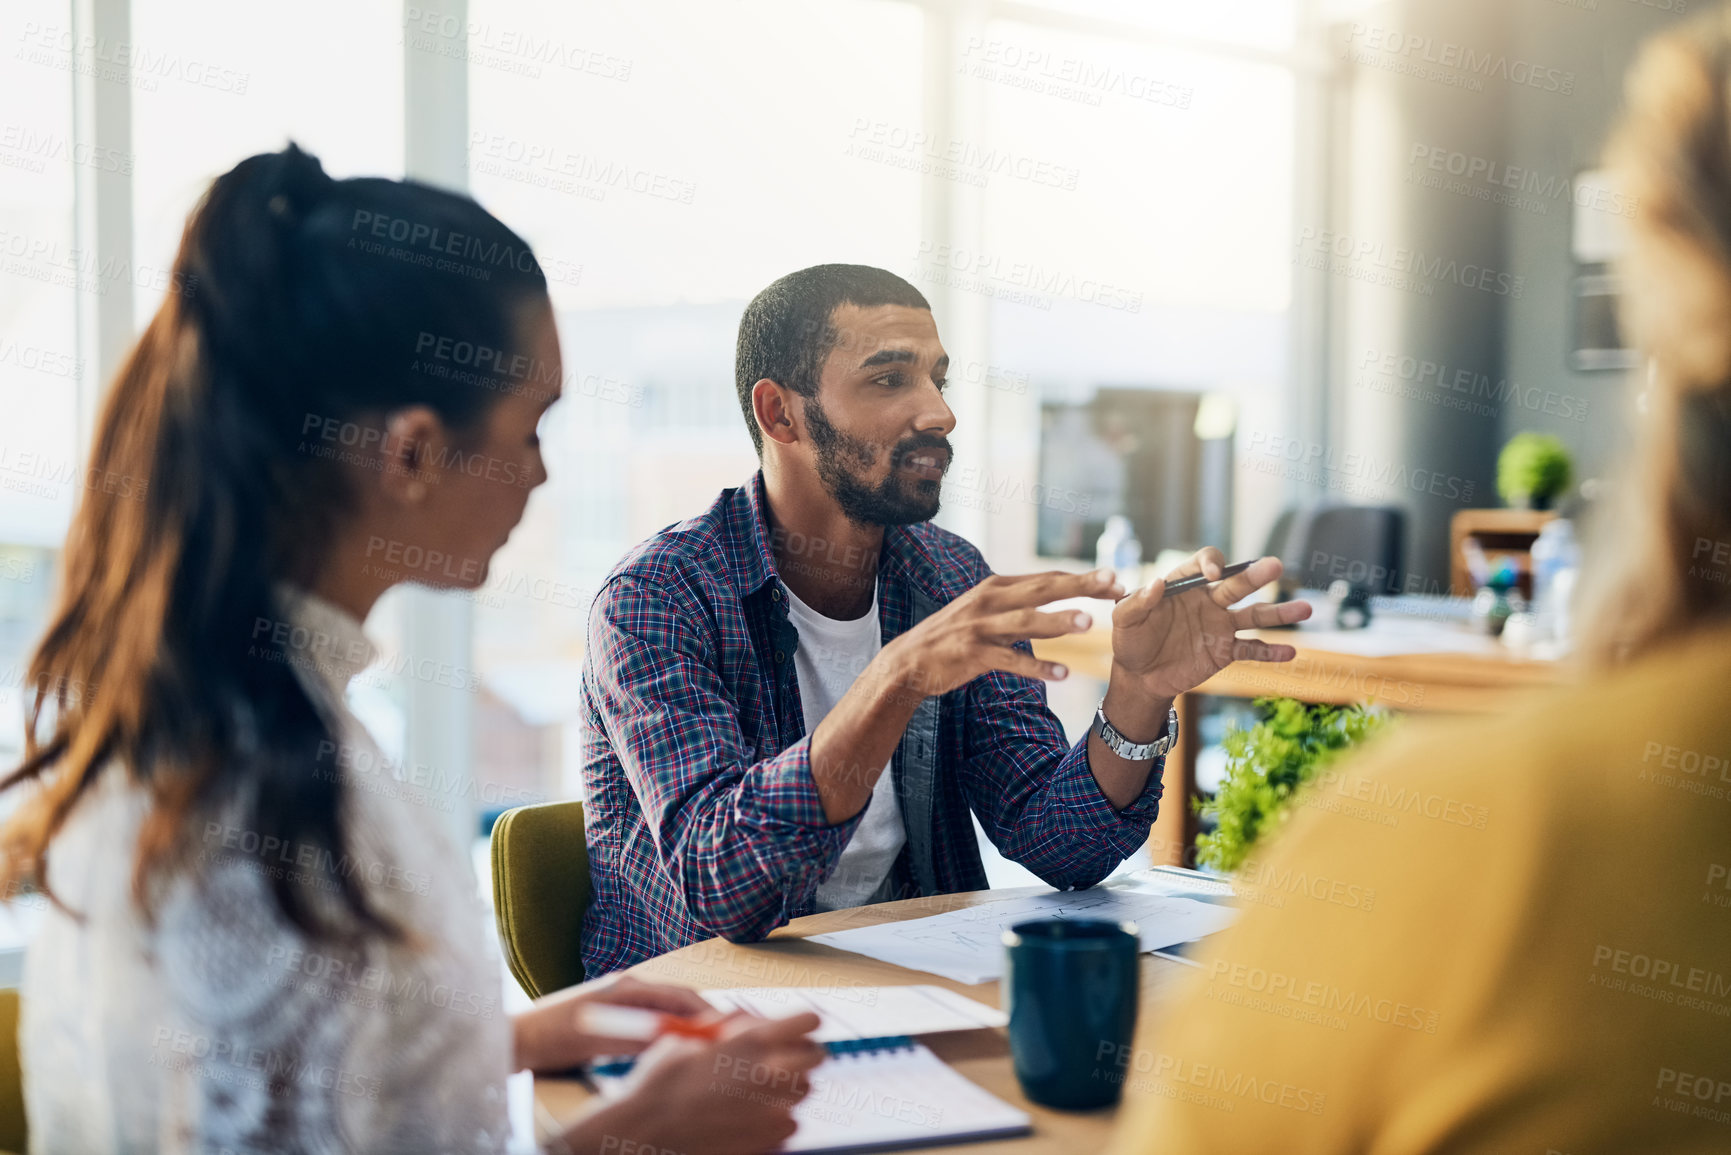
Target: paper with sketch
{"x":967,"y":945}
{"x":864,"y":1012}
{"x":1177,"y":880}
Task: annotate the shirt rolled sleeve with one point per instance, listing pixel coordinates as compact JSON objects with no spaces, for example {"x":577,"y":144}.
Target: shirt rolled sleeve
{"x":1036,"y":796}
{"x":1076,"y":789}
{"x":744,"y":842}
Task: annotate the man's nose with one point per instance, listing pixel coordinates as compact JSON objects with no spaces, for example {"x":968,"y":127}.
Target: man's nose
{"x":936,"y":416}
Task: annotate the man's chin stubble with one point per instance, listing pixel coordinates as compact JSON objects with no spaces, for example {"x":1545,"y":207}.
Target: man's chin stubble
{"x":904,"y":510}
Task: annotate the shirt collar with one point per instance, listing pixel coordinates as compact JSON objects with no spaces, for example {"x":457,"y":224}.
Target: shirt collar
{"x":757,"y":565}
{"x":325,"y":643}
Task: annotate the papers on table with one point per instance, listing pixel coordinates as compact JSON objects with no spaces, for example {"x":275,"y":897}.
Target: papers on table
{"x":897,"y":1095}
{"x":864,"y":1012}
{"x":1177,"y":880}
{"x":878,"y":1095}
{"x":967,"y":945}
{"x":520,"y":1110}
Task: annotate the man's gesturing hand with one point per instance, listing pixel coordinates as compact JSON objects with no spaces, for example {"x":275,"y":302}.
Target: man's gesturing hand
{"x":976,"y":633}
{"x":1168,"y":646}
{"x":973,"y":635}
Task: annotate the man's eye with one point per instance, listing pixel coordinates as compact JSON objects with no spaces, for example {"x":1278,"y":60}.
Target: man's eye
{"x":941,"y":382}
{"x":890,"y":380}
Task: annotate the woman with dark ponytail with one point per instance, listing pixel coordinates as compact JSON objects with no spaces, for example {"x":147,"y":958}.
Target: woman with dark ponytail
{"x":246,"y":949}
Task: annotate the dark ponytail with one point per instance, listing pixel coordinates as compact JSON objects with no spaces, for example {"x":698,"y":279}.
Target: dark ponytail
{"x":298,"y":299}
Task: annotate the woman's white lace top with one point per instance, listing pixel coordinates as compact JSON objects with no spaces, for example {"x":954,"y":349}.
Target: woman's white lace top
{"x":219,"y":1026}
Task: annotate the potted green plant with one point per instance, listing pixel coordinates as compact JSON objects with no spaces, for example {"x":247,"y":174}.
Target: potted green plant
{"x":1266,"y":767}
{"x":1532,"y":470}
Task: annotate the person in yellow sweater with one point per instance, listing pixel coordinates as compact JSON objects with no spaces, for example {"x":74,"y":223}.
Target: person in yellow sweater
{"x":1532,"y":948}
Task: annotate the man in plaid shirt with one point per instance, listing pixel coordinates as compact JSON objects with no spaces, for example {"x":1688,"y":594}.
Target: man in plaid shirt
{"x":793,"y":701}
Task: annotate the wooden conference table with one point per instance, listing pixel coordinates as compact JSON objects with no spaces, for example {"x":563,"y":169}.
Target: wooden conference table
{"x":1470,"y":682}
{"x":786,"y":960}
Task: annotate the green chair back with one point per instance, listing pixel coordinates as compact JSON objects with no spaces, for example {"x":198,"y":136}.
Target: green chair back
{"x":12,"y":1131}
{"x":540,"y":893}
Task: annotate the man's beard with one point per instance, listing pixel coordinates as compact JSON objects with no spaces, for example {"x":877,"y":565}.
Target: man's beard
{"x":892,"y":501}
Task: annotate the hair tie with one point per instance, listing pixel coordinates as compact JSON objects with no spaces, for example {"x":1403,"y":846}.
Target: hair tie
{"x":301,"y":185}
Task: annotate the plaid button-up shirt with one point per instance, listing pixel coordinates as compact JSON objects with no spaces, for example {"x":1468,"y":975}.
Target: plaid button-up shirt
{"x":702,"y":815}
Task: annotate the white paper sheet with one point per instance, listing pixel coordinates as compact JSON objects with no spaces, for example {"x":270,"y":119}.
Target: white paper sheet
{"x":906,"y":1097}
{"x":967,"y":945}
{"x":520,"y":1110}
{"x":1176,"y":880}
{"x":864,"y":1012}
{"x":880,"y":1099}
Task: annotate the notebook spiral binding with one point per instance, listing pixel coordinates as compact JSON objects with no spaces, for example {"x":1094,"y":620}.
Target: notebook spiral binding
{"x":842,"y":1047}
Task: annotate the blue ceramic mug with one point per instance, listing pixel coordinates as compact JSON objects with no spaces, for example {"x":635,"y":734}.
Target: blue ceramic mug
{"x":1071,"y":988}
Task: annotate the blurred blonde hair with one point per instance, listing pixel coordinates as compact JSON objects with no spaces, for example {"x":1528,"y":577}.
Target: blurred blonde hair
{"x":1672,"y":154}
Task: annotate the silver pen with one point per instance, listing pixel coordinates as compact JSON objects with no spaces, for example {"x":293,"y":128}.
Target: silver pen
{"x":1197,"y":582}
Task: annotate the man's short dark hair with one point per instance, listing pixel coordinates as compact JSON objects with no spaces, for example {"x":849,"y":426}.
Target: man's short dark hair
{"x":786,"y":334}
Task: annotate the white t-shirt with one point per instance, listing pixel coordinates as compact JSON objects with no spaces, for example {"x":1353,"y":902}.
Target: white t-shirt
{"x":831,"y":655}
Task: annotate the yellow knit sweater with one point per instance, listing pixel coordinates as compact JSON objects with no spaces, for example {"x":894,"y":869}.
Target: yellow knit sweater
{"x":1508,"y":935}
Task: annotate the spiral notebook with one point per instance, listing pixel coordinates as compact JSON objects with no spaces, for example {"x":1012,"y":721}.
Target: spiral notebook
{"x":881,"y":1094}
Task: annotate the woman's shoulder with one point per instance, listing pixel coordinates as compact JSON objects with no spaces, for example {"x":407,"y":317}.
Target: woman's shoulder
{"x":1630,"y":763}
{"x":1490,"y":894}
{"x":1631,"y":754}
{"x":214,"y":992}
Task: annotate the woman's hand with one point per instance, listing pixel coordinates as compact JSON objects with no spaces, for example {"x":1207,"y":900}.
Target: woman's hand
{"x":550,"y":1036}
{"x":733,"y":1096}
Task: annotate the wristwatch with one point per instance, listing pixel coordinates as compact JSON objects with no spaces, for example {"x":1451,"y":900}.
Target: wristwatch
{"x":1132,"y":751}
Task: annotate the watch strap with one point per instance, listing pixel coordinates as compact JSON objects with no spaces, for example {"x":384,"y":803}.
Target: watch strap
{"x":1136,"y":751}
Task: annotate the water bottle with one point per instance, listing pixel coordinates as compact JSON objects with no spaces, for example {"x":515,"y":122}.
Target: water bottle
{"x":1120,"y":552}
{"x":1556,"y":559}
{"x":1568,"y":568}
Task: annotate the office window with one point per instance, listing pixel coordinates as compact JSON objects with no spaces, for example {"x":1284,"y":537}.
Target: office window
{"x":238,"y":80}
{"x":1127,"y":232}
{"x":663,"y":181}
{"x":218,"y":82}
{"x":210,"y":83}
{"x":1266,"y":24}
{"x":1174,"y":182}
{"x":40,"y":365}
{"x":1147,"y":249}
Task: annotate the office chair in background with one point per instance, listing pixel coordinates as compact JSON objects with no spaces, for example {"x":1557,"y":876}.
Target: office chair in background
{"x":1322,"y":544}
{"x":541,"y":890}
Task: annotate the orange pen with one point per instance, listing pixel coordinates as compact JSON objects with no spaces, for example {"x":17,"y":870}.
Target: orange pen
{"x":617,"y":1022}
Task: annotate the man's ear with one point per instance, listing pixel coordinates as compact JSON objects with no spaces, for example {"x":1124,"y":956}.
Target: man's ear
{"x":772,"y":405}
{"x":406,"y":466}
